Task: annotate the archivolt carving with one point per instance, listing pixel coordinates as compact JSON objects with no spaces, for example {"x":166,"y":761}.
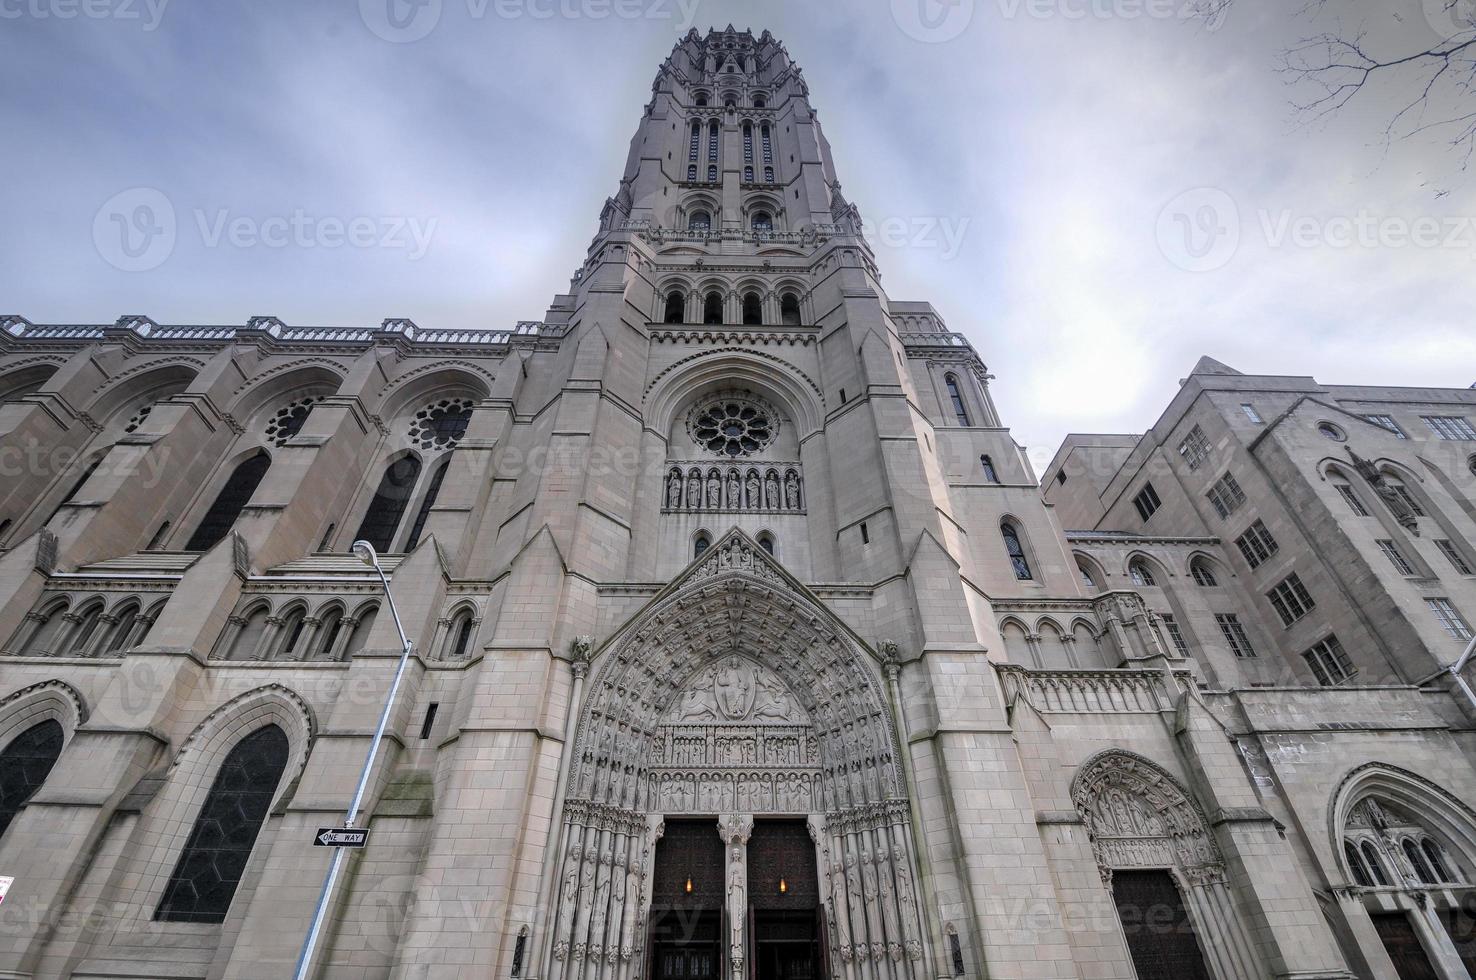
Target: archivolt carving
{"x":1139,"y":816}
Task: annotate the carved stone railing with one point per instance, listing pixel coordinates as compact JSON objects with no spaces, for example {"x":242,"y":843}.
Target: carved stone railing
{"x":1089,"y":691}
{"x":395,"y":330}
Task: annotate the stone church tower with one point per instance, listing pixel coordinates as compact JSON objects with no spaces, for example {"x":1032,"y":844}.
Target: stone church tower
{"x":708,"y":574}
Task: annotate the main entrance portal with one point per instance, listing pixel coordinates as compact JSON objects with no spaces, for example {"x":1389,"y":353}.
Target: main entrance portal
{"x":736,"y":806}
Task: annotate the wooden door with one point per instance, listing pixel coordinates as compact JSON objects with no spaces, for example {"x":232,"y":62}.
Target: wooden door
{"x":1160,"y":937}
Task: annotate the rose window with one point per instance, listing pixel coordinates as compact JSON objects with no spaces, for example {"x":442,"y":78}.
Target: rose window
{"x":289,"y":419}
{"x":733,"y":427}
{"x":441,"y":424}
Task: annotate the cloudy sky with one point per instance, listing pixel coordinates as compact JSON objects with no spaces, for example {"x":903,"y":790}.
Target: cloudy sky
{"x":1096,"y":192}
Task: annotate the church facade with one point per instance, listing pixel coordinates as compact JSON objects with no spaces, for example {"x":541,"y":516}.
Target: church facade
{"x":746,"y":644}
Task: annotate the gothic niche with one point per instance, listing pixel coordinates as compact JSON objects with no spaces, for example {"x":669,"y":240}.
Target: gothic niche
{"x":731,"y":696}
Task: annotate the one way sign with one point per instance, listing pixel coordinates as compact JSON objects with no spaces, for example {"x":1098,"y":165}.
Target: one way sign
{"x":341,"y":837}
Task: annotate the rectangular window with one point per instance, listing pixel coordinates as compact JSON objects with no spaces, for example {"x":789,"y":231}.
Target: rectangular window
{"x":1252,"y":414}
{"x":1457,"y":560}
{"x":1456,"y":428}
{"x":1235,"y":635}
{"x":1396,"y":558}
{"x":865,"y":535}
{"x":1351,"y":498}
{"x":1147,"y":501}
{"x":1195,"y":448}
{"x":1175,"y":635}
{"x":1329,"y":662}
{"x":1256,"y":544}
{"x":1290,"y":599}
{"x":1226,"y":496}
{"x":1449,"y":619}
{"x":1387,"y":422}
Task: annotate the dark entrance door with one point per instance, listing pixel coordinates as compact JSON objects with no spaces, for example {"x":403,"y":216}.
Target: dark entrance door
{"x":687,"y":902}
{"x":784,"y":893}
{"x":1160,"y":938}
{"x":1404,"y":946}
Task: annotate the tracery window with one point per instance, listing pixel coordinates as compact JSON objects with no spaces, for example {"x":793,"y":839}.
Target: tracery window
{"x":442,"y":424}
{"x":460,"y":635}
{"x":696,"y":136}
{"x":1016,"y":550}
{"x":733,"y":426}
{"x":987,"y":465}
{"x":229,"y":503}
{"x":700,"y":544}
{"x":24,"y":765}
{"x":700,"y":222}
{"x":289,"y":419}
{"x":1140,"y":574}
{"x":712,"y":142}
{"x":763,"y":224}
{"x":219,"y":846}
{"x":1203,"y":575}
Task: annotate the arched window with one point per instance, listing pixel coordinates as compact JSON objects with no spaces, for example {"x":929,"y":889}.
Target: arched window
{"x":248,"y":637}
{"x":1355,"y":865}
{"x":712,"y":308}
{"x":229,"y":503}
{"x":676,"y":307}
{"x":389,"y":503}
{"x":330,"y":625}
{"x":700,"y":222}
{"x":431,"y":493}
{"x":24,"y":766}
{"x":125,"y":619}
{"x":1374,"y":865}
{"x":763,"y":222}
{"x":1416,"y":859}
{"x":215,"y":856}
{"x":748,"y":144}
{"x":766,"y":542}
{"x":1140,"y":573}
{"x":1435,"y":860}
{"x":768,"y":143}
{"x":1086,"y":574}
{"x":290,"y":633}
{"x":1016,"y":550}
{"x":360,"y":635}
{"x":700,"y":544}
{"x":696,"y":138}
{"x":987,"y":465}
{"x":759,"y":102}
{"x":789,"y":310}
{"x":712,"y":142}
{"x":712,"y":173}
{"x":460,"y":635}
{"x":81,"y":636}
{"x":1203,"y":575}
{"x":42,"y":639}
{"x":956,"y":397}
{"x":753,"y":309}
{"x":768,"y":175}
{"x":702,"y":101}
{"x":692,"y":172}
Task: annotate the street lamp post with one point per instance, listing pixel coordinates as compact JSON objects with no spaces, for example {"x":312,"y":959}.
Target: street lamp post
{"x":365,"y":551}
{"x":1460,"y":665}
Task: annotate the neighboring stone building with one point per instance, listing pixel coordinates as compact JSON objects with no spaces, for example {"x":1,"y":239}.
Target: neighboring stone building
{"x":745,"y":646}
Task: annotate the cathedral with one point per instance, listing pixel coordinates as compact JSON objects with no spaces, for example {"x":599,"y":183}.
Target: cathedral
{"x":746,"y":644}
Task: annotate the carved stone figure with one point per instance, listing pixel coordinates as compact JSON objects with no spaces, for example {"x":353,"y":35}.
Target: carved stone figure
{"x":735,"y":491}
{"x":694,"y":490}
{"x":754,"y":499}
{"x":771,"y":492}
{"x":674,"y":491}
{"x":733,"y":685}
{"x":791,"y":491}
{"x":714,"y":491}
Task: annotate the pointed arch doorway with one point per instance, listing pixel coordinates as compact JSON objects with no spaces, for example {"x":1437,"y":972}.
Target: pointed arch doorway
{"x":736,"y":706}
